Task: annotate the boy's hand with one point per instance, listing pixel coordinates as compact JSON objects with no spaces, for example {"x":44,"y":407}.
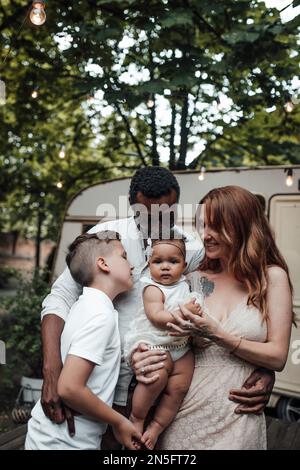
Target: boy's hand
{"x":127,"y":434}
{"x":193,"y":307}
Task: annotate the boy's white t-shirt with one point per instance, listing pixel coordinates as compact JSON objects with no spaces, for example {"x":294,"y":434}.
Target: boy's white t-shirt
{"x":91,"y":332}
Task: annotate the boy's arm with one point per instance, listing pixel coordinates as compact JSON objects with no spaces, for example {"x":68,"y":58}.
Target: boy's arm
{"x":73,"y":390}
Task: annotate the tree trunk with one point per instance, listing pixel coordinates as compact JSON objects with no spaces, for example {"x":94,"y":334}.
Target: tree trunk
{"x":172,"y":159}
{"x":38,"y":238}
{"x":183,"y":134}
{"x":154,"y":153}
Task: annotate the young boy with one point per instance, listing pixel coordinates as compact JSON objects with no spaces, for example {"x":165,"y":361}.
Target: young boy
{"x":90,"y":350}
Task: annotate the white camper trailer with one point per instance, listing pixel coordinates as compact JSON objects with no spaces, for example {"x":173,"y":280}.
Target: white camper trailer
{"x":278,"y":189}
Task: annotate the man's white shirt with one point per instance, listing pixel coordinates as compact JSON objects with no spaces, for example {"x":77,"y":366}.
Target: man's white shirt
{"x":65,"y":291}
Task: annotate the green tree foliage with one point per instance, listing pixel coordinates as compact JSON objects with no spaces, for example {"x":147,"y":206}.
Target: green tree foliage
{"x":125,"y":83}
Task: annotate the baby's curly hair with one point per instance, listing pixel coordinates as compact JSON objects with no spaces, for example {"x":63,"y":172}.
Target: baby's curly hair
{"x":153,"y":182}
{"x":84,"y":251}
{"x":176,"y":239}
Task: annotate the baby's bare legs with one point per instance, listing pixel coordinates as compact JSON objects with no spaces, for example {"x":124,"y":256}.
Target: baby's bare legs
{"x":145,"y":394}
{"x":169,"y":404}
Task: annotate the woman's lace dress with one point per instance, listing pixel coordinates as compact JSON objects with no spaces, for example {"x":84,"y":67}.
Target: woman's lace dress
{"x":206,"y":419}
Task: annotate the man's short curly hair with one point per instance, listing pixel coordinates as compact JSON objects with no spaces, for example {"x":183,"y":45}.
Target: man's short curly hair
{"x":154,"y":182}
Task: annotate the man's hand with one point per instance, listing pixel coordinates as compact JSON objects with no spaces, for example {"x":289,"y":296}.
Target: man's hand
{"x":127,"y":434}
{"x":52,"y":327}
{"x":52,"y":405}
{"x":255,"y":392}
{"x":144,"y":361}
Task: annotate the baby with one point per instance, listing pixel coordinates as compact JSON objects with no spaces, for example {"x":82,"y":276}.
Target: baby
{"x":162,"y":293}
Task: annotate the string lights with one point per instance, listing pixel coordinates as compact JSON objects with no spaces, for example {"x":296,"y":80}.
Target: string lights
{"x":289,"y":106}
{"x":62,"y":152}
{"x":35,"y":93}
{"x":37,"y":15}
{"x":202,"y":174}
{"x":59,"y":185}
{"x":289,"y":180}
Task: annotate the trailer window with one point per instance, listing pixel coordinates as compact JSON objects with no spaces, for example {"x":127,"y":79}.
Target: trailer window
{"x":284,"y":219}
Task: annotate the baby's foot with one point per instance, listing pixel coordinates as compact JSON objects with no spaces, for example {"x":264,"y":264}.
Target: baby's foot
{"x":151,"y":435}
{"x":138,"y":423}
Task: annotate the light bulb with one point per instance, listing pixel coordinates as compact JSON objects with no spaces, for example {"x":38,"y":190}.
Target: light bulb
{"x":37,"y":15}
{"x":59,"y":185}
{"x":289,"y":177}
{"x":150,"y":103}
{"x":34,"y":94}
{"x":2,"y":93}
{"x":201,"y":174}
{"x":289,"y":106}
{"x":62,"y":152}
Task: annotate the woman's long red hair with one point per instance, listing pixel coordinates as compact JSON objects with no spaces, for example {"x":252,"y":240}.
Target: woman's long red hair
{"x":238,"y":217}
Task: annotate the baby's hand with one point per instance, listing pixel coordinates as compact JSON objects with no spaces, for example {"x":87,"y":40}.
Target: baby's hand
{"x":194,"y":307}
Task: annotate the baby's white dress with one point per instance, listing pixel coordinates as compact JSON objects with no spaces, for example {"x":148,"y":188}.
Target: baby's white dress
{"x":141,"y":330}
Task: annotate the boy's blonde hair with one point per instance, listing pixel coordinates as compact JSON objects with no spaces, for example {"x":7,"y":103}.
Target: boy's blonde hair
{"x":84,"y":251}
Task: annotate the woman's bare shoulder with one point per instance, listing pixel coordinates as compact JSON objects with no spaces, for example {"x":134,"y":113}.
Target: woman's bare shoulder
{"x":276,"y":274}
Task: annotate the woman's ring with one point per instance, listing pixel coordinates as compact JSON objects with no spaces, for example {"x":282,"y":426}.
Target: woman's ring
{"x":142,"y":370}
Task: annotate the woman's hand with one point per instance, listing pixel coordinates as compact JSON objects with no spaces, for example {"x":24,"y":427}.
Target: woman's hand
{"x":198,"y":325}
{"x":144,"y":361}
{"x":193,"y":307}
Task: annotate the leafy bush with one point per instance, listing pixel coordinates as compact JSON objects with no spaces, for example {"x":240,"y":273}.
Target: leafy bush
{"x":20,"y":330}
{"x":6,"y":274}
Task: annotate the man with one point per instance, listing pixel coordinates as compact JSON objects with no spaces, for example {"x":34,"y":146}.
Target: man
{"x":150,"y":187}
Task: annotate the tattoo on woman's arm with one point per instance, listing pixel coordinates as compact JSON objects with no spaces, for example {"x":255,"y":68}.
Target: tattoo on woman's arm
{"x":207,"y":286}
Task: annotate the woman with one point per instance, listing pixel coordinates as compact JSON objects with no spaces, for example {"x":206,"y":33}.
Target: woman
{"x":246,"y":323}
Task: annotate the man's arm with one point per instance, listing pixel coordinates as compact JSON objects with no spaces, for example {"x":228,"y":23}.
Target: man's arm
{"x":255,"y":393}
{"x":56,"y":306}
{"x":64,"y":292}
{"x":51,"y":329}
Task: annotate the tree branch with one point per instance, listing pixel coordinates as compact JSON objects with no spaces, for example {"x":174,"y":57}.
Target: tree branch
{"x":132,"y":136}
